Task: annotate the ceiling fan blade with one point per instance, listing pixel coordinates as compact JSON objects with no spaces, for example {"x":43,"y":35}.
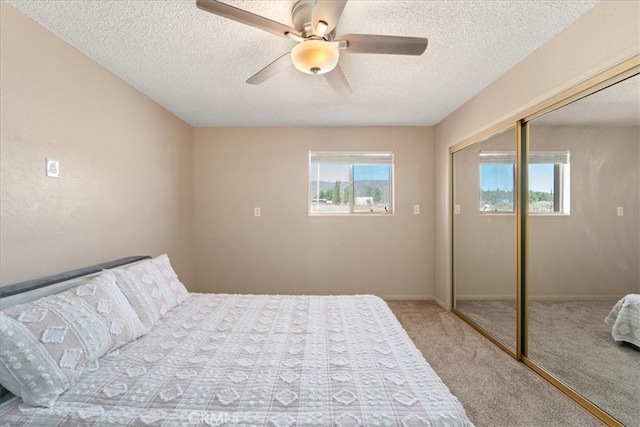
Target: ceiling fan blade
{"x":328,"y":11}
{"x":248,"y":18}
{"x":271,"y":70}
{"x":390,"y":45}
{"x":338,"y":81}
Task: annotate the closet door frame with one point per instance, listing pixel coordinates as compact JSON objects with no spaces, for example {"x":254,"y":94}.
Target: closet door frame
{"x":521,"y":120}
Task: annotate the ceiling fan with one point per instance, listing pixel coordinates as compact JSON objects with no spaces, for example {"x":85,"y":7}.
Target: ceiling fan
{"x":318,"y":48}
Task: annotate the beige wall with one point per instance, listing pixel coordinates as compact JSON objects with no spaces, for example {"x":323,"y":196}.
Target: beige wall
{"x":58,"y":103}
{"x":591,"y":253}
{"x":604,"y":36}
{"x":126,"y":187}
{"x":287,"y":251}
{"x":485,"y":244}
{"x":125,"y":162}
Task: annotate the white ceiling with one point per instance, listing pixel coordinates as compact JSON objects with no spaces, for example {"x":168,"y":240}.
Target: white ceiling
{"x":195,"y":64}
{"x":617,"y":105}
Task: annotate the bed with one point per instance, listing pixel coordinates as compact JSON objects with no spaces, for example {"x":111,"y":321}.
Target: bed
{"x":219,"y":359}
{"x":624,"y":320}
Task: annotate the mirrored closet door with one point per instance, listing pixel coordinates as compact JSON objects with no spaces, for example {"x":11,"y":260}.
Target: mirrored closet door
{"x":546,"y":241}
{"x":583,"y":244}
{"x":484,"y":236}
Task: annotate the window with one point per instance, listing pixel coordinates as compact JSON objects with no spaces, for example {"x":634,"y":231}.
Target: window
{"x":347,"y":182}
{"x":548,"y":181}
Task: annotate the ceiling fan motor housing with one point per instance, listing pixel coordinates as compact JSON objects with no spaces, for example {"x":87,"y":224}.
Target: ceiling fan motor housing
{"x":314,"y":55}
{"x":302,"y":19}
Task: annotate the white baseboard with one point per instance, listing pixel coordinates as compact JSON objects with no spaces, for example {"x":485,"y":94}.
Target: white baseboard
{"x":407,"y":297}
{"x":484,"y":297}
{"x":575,"y":297}
{"x":541,"y":297}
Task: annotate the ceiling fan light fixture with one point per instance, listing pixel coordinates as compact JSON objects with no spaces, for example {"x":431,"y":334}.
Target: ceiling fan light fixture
{"x":315,"y":56}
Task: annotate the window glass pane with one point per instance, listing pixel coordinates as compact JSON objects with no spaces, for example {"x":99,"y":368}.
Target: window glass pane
{"x":346,"y":182}
{"x":496,"y":187}
{"x":548,"y":182}
{"x":371,"y":185}
{"x":541,"y":188}
{"x":329,"y":188}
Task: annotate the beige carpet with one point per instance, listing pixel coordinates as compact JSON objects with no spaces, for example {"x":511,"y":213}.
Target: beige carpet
{"x":495,"y":316}
{"x":494,"y":389}
{"x":571,"y":340}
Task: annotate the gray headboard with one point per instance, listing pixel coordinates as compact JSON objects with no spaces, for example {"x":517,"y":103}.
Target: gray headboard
{"x":30,"y":290}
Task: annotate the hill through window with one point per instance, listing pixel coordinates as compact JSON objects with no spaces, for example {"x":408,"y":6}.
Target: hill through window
{"x":350,"y":182}
{"x":548,"y":182}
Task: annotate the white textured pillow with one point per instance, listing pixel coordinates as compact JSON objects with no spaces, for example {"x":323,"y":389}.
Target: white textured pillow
{"x":152,"y":287}
{"x":106,"y":297}
{"x":46,"y":343}
{"x":175,"y":286}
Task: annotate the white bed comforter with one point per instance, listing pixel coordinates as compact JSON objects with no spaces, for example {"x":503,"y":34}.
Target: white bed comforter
{"x":260,"y":361}
{"x":625,"y":320}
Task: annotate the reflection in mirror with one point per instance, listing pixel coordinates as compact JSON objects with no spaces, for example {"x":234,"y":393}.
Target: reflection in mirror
{"x":583,"y":260}
{"x":484,"y":235}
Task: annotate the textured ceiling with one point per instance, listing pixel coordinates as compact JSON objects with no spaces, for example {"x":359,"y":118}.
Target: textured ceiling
{"x":195,"y":64}
{"x":617,"y":105}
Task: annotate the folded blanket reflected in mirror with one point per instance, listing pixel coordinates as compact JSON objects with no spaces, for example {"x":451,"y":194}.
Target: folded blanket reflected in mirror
{"x":625,"y":321}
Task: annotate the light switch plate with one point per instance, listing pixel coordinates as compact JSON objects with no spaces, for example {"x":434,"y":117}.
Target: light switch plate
{"x":620,"y":211}
{"x":53,"y":167}
{"x":257,"y":212}
{"x":457,"y":209}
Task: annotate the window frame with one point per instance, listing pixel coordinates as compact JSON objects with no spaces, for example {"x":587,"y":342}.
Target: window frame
{"x":351,"y":158}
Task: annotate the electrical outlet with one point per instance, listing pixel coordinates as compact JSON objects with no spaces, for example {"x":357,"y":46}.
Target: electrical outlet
{"x":257,"y":212}
{"x":416,"y":209}
{"x":53,"y":167}
{"x":620,"y":211}
{"x":457,"y":209}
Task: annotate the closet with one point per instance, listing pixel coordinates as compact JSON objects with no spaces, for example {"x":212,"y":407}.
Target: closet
{"x":546,"y":238}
